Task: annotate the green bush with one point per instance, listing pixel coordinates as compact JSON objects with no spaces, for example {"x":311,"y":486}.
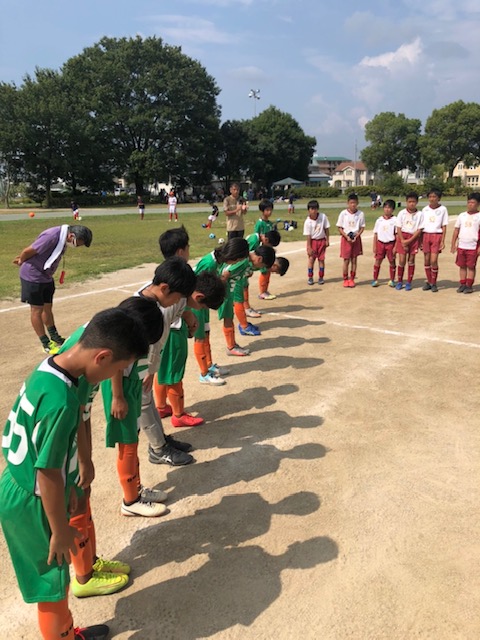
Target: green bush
{"x":392,"y":184}
{"x":317,"y":192}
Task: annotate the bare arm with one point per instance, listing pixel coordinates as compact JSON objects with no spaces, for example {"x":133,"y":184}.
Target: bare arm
{"x":119,"y":407}
{"x":52,"y":493}
{"x":456,"y":232}
{"x":84,"y":444}
{"x":26,"y":254}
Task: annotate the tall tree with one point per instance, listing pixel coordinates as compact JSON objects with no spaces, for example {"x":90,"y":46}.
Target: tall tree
{"x":10,"y":159}
{"x":394,"y":143}
{"x":279,"y":147}
{"x":155,"y":107}
{"x":235,"y":150}
{"x":452,"y":133}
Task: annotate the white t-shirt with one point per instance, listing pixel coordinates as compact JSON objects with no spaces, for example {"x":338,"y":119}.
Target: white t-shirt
{"x":351,"y":221}
{"x":385,"y":228}
{"x":409,"y":222}
{"x":434,"y":219}
{"x":172,"y":203}
{"x":469,"y":225}
{"x":316,"y":228}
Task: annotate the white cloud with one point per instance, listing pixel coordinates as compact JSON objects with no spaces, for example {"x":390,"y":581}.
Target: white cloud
{"x":182,"y":29}
{"x":409,"y":53}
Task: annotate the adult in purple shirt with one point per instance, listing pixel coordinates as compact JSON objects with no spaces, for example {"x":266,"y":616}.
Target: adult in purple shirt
{"x":38,"y":263}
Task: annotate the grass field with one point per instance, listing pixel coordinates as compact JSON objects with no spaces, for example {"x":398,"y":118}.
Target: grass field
{"x":124,"y":241}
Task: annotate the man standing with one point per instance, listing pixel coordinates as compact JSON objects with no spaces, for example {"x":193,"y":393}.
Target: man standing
{"x":235,"y":211}
{"x":38,"y":263}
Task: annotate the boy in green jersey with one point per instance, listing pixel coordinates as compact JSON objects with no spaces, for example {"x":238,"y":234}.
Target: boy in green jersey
{"x":39,"y":447}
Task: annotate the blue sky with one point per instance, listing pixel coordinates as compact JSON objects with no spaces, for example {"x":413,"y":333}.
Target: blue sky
{"x":332,"y":65}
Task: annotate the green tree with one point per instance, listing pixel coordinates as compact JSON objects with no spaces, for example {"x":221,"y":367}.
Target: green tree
{"x":154,"y":107}
{"x":10,"y":160}
{"x":235,"y":151}
{"x":452,"y":133}
{"x":394,"y":143}
{"x":279,"y":148}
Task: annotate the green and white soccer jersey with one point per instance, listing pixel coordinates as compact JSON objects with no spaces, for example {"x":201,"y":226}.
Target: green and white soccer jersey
{"x":207,"y":263}
{"x":237,"y":272}
{"x":40,"y":434}
{"x":253,"y":241}
{"x":263,"y":226}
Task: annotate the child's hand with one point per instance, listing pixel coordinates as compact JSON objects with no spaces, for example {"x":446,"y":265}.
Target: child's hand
{"x":119,"y":408}
{"x":86,"y":473}
{"x":148,"y":382}
{"x":62,"y":543}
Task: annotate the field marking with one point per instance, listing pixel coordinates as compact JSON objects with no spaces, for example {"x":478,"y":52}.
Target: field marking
{"x":387,"y":332}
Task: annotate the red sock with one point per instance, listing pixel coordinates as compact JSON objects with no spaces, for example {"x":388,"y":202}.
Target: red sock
{"x":469,"y":282}
{"x":401,"y":271}
{"x":411,"y":271}
{"x":428,"y":273}
{"x":352,"y":275}
{"x":376,"y":271}
{"x":392,"y":272}
{"x":434,"y":275}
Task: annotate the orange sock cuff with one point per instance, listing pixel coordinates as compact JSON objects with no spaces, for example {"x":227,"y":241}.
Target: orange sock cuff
{"x":229,"y":333}
{"x":208,"y":349}
{"x":200,"y":356}
{"x":159,"y":393}
{"x":246,"y":301}
{"x":263,"y":282}
{"x":240,"y":313}
{"x":127,"y":469}
{"x":83,"y":560}
{"x":175,"y":395}
{"x":55,"y":620}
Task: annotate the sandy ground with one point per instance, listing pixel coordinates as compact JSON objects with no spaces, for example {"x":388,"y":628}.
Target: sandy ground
{"x":335,"y":493}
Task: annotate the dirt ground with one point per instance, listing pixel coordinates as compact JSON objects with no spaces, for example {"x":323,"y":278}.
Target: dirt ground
{"x":335,"y":490}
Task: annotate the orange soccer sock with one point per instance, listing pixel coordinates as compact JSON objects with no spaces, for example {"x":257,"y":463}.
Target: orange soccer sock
{"x":55,"y":620}
{"x":159,"y":393}
{"x":127,"y":469}
{"x":263,"y":282}
{"x":229,"y":333}
{"x":175,"y":395}
{"x":240,"y":313}
{"x":246,"y":301}
{"x":201,"y":356}
{"x":83,"y":560}
{"x":91,"y":529}
{"x":208,"y":349}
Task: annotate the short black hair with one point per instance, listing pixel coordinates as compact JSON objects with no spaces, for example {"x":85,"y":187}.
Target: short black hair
{"x":412,"y":194}
{"x":212,"y":288}
{"x":283,"y":264}
{"x":148,"y":313}
{"x":232,"y":249}
{"x":475,"y":195}
{"x":352,"y":196}
{"x":313,"y":204}
{"x":273,"y":237}
{"x":265,"y":204}
{"x":81,"y":233}
{"x":390,"y":203}
{"x":117,"y":330}
{"x":266,"y":253}
{"x":178,"y":274}
{"x":436,"y":192}
{"x":172,"y":240}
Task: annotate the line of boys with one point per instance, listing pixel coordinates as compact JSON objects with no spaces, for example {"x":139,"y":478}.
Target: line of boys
{"x":401,"y":235}
{"x":59,"y":525}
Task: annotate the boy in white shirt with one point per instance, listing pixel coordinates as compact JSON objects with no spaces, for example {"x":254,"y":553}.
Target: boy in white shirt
{"x":409,"y":231}
{"x":466,"y":242}
{"x":384,"y":233}
{"x":317,"y":230}
{"x":435,"y":220}
{"x":351,"y":225}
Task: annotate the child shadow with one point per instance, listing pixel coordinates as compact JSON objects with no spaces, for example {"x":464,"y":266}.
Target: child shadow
{"x":234,"y":585}
{"x":250,"y":462}
{"x":272,"y":363}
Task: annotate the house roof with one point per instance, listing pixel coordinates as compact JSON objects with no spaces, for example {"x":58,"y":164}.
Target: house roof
{"x":349,"y":165}
{"x":286,"y":182}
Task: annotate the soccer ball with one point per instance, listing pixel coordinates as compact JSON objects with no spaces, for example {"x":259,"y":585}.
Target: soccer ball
{"x":211,"y":236}
{"x":221,"y":240}
{"x":204,"y":226}
{"x":31,"y":214}
{"x":79,"y":218}
{"x":290,"y":228}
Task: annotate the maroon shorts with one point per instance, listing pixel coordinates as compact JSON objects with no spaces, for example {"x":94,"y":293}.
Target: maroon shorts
{"x":385,"y":249}
{"x":412,"y":248}
{"x":466,"y":258}
{"x":318,"y":249}
{"x":431,"y":242}
{"x":350,"y":250}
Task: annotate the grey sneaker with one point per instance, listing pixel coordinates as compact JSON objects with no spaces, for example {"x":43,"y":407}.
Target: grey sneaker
{"x":152,"y":495}
{"x":433,"y":288}
{"x":310,"y":281}
{"x":237,"y":350}
{"x":169,"y":455}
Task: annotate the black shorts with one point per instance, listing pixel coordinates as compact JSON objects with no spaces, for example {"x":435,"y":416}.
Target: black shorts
{"x":37,"y":293}
{"x":235,"y":234}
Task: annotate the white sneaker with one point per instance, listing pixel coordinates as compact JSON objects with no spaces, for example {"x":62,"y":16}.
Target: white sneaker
{"x":219,"y":371}
{"x":152,"y":495}
{"x":211,"y":379}
{"x":252,"y":313}
{"x":142,"y":508}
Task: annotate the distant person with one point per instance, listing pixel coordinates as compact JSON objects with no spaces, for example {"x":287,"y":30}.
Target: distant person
{"x":141,"y":207}
{"x":465,"y":241}
{"x":351,"y":225}
{"x":373,"y":200}
{"x":38,"y":263}
{"x":384,"y":236}
{"x":211,"y":218}
{"x":75,"y":211}
{"x":435,"y":221}
{"x":291,"y":203}
{"x":317,"y":230}
{"x":172,"y":206}
{"x":409,"y":230}
{"x":235,"y":212}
